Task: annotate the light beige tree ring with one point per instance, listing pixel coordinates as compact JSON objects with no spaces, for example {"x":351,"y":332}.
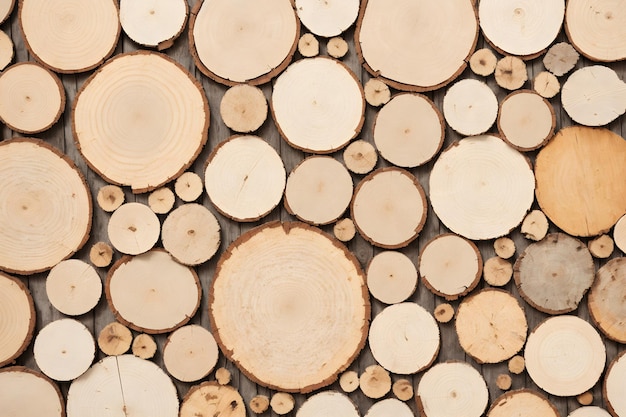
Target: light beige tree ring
{"x":133,"y":228}
{"x":526,"y":120}
{"x":613,"y":387}
{"x":210,"y":396}
{"x":391,"y":277}
{"x":17,"y":318}
{"x":606,"y":299}
{"x":155,"y":23}
{"x":73,"y":287}
{"x":589,"y":411}
{"x":389,"y":407}
{"x":26,"y":393}
{"x":190,"y":353}
{"x":327,"y":18}
{"x":7,"y":50}
{"x":328,"y":403}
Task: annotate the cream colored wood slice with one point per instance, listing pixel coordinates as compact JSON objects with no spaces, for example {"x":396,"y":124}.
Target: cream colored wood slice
{"x":222,"y":375}
{"x":308,"y":45}
{"x":619,"y":233}
{"x":389,"y":407}
{"x":190,"y":353}
{"x":45,"y":201}
{"x":590,"y":411}
{"x":391,"y":277}
{"x":511,"y":73}
{"x":73,"y":287}
{"x":26,"y":393}
{"x":328,"y":403}
{"x":6,"y":50}
{"x":546,"y":84}
{"x":282,"y":403}
{"x":601,"y":247}
{"x":404,"y":338}
{"x":444,"y":313}
{"x":522,"y":403}
{"x":318,"y":190}
{"x":120,"y":386}
{"x":188,"y":186}
{"x":115,"y":339}
{"x":344,"y":230}
{"x":526,"y":120}
{"x":377,"y":92}
{"x":70,"y":35}
{"x":243,"y":108}
{"x":244,"y":40}
{"x":375,"y":381}
{"x":360,"y":157}
{"x":349,"y":381}
{"x":110,"y":197}
{"x":210,"y":397}
{"x":565,"y":355}
{"x":483,"y":62}
{"x":409,"y":130}
{"x":504,"y":247}
{"x":327,"y":18}
{"x":152,"y":292}
{"x":606,"y":299}
{"x":470,"y":107}
{"x":161,"y":200}
{"x":318,"y":105}
{"x":613,"y":387}
{"x":133,"y":228}
{"x":245,"y":178}
{"x":101,"y":254}
{"x":416,"y":45}
{"x":140,"y":120}
{"x":154,"y":23}
{"x":337,"y":47}
{"x":560,"y":59}
{"x":579,"y":180}
{"x":280,"y":292}
{"x":64,"y":349}
{"x":481,"y":188}
{"x":452,"y":388}
{"x":450,"y":266}
{"x":6,"y":7}
{"x":516,"y":365}
{"x":17,"y":318}
{"x":497,"y":271}
{"x":504,"y":382}
{"x":389,"y":208}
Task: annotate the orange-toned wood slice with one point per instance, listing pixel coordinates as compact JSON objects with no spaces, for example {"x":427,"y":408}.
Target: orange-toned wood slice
{"x":222,"y":400}
{"x":26,"y":393}
{"x":155,"y":23}
{"x":522,"y":403}
{"x":526,"y":120}
{"x":391,"y":277}
{"x":6,"y":7}
{"x":17,"y":318}
{"x":606,"y":299}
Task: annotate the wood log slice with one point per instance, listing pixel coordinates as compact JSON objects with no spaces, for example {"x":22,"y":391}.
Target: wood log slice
{"x":6,"y":7}
{"x":296,"y":289}
{"x":154,"y":23}
{"x":613,"y":387}
{"x":375,"y":382}
{"x":360,"y":157}
{"x":497,"y":271}
{"x":516,"y":364}
{"x":483,"y":62}
{"x":504,"y":247}
{"x":389,"y":407}
{"x":511,"y":73}
{"x":546,"y":84}
{"x":337,"y":47}
{"x":212,"y":399}
{"x":601,"y":247}
{"x":259,"y":404}
{"x":144,"y":346}
{"x":560,"y":59}
{"x":389,"y":208}
{"x":327,"y":18}
{"x":26,"y":393}
{"x":416,"y":45}
{"x":245,"y":178}
{"x":110,"y":197}
{"x":70,"y":36}
{"x":190,"y":353}
{"x":222,"y":375}
{"x":161,"y":200}
{"x":344,"y":230}
{"x":504,"y":381}
{"x":152,"y":293}
{"x":409,"y":130}
{"x":526,"y":120}
{"x":522,"y":403}
{"x":243,"y":41}
{"x":45,"y":201}
{"x":17,"y":318}
{"x":6,"y":50}
{"x":590,"y":411}
{"x":101,"y":254}
{"x":403,"y":389}
{"x":328,"y":403}
{"x":391,"y":277}
{"x":308,"y":45}
{"x":470,"y":107}
{"x":73,"y":287}
{"x":318,"y":105}
{"x":133,"y":228}
{"x":535,"y":225}
{"x":282,"y":403}
{"x":606,"y":299}
{"x":243,"y":108}
{"x":619,"y":234}
{"x":142,"y":107}
{"x":481,"y":188}
{"x":579,"y":183}
{"x":376,"y":92}
{"x":565,"y":355}
{"x":115,"y":339}
{"x":188,"y":186}
{"x":349,"y":381}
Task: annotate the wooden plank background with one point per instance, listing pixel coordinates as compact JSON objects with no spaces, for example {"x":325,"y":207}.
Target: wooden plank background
{"x":60,"y":136}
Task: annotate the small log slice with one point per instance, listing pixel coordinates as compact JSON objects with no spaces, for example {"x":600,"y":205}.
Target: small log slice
{"x":497,"y":271}
{"x":483,"y":62}
{"x":349,"y":381}
{"x":101,"y":254}
{"x":26,"y":393}
{"x":613,"y":387}
{"x":156,"y":23}
{"x":211,"y":397}
{"x":444,"y":313}
{"x":589,"y":412}
{"x":470,"y":107}
{"x":391,"y":277}
{"x":73,"y":287}
{"x":282,"y":403}
{"x":360,"y":157}
{"x":161,"y":200}
{"x":535,"y":225}
{"x":114,"y":339}
{"x":17,"y":318}
{"x":619,"y":233}
{"x":546,"y":84}
{"x":504,"y":247}
{"x":560,"y":59}
{"x":511,"y":73}
{"x":526,"y":120}
{"x":606,"y":299}
{"x":522,"y":403}
{"x":504,"y":381}
{"x":327,"y":19}
{"x":259,"y":404}
{"x":190,"y":353}
{"x":133,"y":228}
{"x":337,"y":47}
{"x":6,"y":49}
{"x":6,"y":7}
{"x":188,"y":186}
{"x":375,"y":382}
{"x":586,"y":398}
{"x":144,"y":346}
{"x":389,"y":407}
{"x":516,"y":365}
{"x":402,"y":389}
{"x":344,"y":230}
{"x":328,"y":403}
{"x":601,"y":247}
{"x":223,"y":375}
{"x":308,"y":45}
{"x":243,"y":108}
{"x":377,"y":92}
{"x":110,"y":197}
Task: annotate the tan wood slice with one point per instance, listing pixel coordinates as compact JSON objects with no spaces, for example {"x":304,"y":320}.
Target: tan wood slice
{"x":546,"y":84}
{"x":389,"y":208}
{"x":497,"y":271}
{"x":349,"y":381}
{"x":535,"y":225}
{"x":245,"y":178}
{"x":121,"y":386}
{"x":613,"y":387}
{"x":389,"y":407}
{"x":282,"y":403}
{"x":222,"y":375}
{"x":481,"y":188}
{"x":318,"y":190}
{"x":375,"y":382}
{"x":190,"y":353}
{"x":619,"y":233}
{"x":391,"y":277}
{"x":504,"y":381}
{"x":318,"y":105}
{"x":6,"y":49}
{"x":243,"y":108}
{"x":403,"y":389}
{"x":504,"y":247}
{"x":115,"y":339}
{"x":101,"y":254}
{"x":188,"y":186}
{"x":444,"y":313}
{"x":142,"y":107}
{"x":516,"y":365}
{"x":344,"y":230}
{"x":565,"y":355}
{"x":17,"y":318}
{"x":26,"y":393}
{"x":154,"y":23}
{"x":560,"y":59}
{"x":329,"y":18}
{"x":328,"y":403}
{"x":144,"y":346}
{"x":259,"y":404}
{"x":601,"y":247}
{"x":491,"y":325}
{"x":275,"y":328}
{"x":579,"y":183}
{"x":64,"y":349}
{"x":522,"y":403}
{"x":586,"y":398}
{"x":483,"y":62}
{"x":452,"y":388}
{"x":6,"y":7}
{"x":416,"y":45}
{"x":377,"y":92}
{"x":161,"y":200}
{"x":404,"y":338}
{"x":589,"y":412}
{"x":223,"y":33}
{"x":337,"y":47}
{"x":511,"y":73}
{"x":450,"y":266}
{"x":45,"y":201}
{"x":470,"y":107}
{"x":308,"y":45}
{"x":133,"y":228}
{"x":409,"y":130}
{"x":210,"y":397}
{"x":73,"y":287}
{"x":110,"y":197}
{"x":594,"y":96}
{"x":606,"y":299}
{"x":526,"y":120}
{"x":360,"y":157}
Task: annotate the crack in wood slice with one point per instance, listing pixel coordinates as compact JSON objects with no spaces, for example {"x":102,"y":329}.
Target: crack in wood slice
{"x":328,"y":18}
{"x":259,"y":404}
{"x":73,"y":287}
{"x":526,"y":120}
{"x":6,"y":7}
{"x":282,"y":403}
{"x":389,"y":407}
{"x":328,"y":403}
{"x":497,"y":271}
{"x":535,"y":225}
{"x":17,"y":318}
{"x":601,"y":247}
{"x":101,"y":254}
{"x":188,"y":186}
{"x":360,"y":157}
{"x":243,"y":108}
{"x":212,"y":399}
{"x":110,"y":197}
{"x":114,"y":339}
{"x":133,"y":228}
{"x":589,"y":412}
{"x":190,"y":353}
{"x":522,"y":403}
{"x":376,"y":92}
{"x":470,"y":107}
{"x":337,"y":47}
{"x":511,"y":73}
{"x":606,"y":299}
{"x":612,"y":389}
{"x":443,"y":313}
{"x":391,"y":277}
{"x":144,"y":346}
{"x":155,"y":23}
{"x":619,"y":233}
{"x":546,"y":84}
{"x":403,"y":389}
{"x":560,"y":59}
{"x":483,"y":62}
{"x":6,"y":50}
{"x":26,"y":393}
{"x":161,"y":200}
{"x":308,"y":45}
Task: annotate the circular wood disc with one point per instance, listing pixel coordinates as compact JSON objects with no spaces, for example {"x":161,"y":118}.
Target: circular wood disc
{"x":389,"y":208}
{"x":243,"y":41}
{"x":110,"y":197}
{"x":119,"y":385}
{"x":560,"y":59}
{"x":553,"y":274}
{"x":318,"y":190}
{"x":565,"y":355}
{"x":526,"y":120}
{"x":161,"y":200}
{"x":481,"y":188}
{"x":360,"y":157}
{"x":403,"y":389}
{"x":329,"y":404}
{"x":245,"y":178}
{"x":243,"y":108}
{"x":327,"y":19}
{"x":155,"y":23}
{"x":152,"y":292}
{"x":404,"y":338}
{"x":409,"y":130}
{"x":216,"y":399}
{"x":6,"y":50}
{"x":188,"y":186}
{"x":497,"y":271}
{"x":26,"y":393}
{"x":606,"y":299}
{"x":70,"y":35}
{"x":522,"y":403}
{"x":280,"y":292}
{"x":376,"y":92}
{"x":452,"y":388}
{"x":308,"y":45}
{"x":491,"y":325}
{"x":470,"y":107}
{"x":144,"y":346}
{"x":45,"y":201}
{"x":190,"y":353}
{"x":114,"y":339}
{"x":282,"y":403}
{"x":17,"y":318}
{"x":579,"y":180}
{"x":64,"y":349}
{"x":318,"y":105}
{"x":391,"y":277}
{"x":417,"y":46}
{"x":142,"y":107}
{"x":450,"y":266}
{"x":6,"y":7}
{"x":389,"y":407}
{"x":73,"y":287}
{"x":375,"y":382}
{"x":337,"y":47}
{"x":613,"y":387}
{"x":590,"y":411}
{"x":133,"y":228}
{"x":619,"y":233}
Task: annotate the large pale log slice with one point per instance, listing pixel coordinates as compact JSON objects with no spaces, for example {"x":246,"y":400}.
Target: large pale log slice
{"x":565,"y":355}
{"x":73,"y":287}
{"x":26,"y":393}
{"x":619,"y":233}
{"x":329,"y":404}
{"x":327,"y":18}
{"x":590,"y":411}
{"x":481,"y":188}
{"x":245,"y":178}
{"x":155,"y":23}
{"x":560,"y":59}
{"x":522,"y":403}
{"x":133,"y":228}
{"x":280,"y":292}
{"x":144,"y":346}
{"x":318,"y":105}
{"x":6,"y":7}
{"x":190,"y":353}
{"x":606,"y":299}
{"x":470,"y":107}
{"x":152,"y":292}
{"x":212,"y":399}
{"x":389,"y":208}
{"x":389,"y":407}
{"x":6,"y":50}
{"x":17,"y":318}
{"x":391,"y":277}
{"x":580,"y":183}
{"x":613,"y":387}
{"x":526,"y":120}
{"x":416,"y":45}
{"x":243,"y":108}
{"x":45,"y":201}
{"x":244,"y":40}
{"x":70,"y":35}
{"x":140,"y":120}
